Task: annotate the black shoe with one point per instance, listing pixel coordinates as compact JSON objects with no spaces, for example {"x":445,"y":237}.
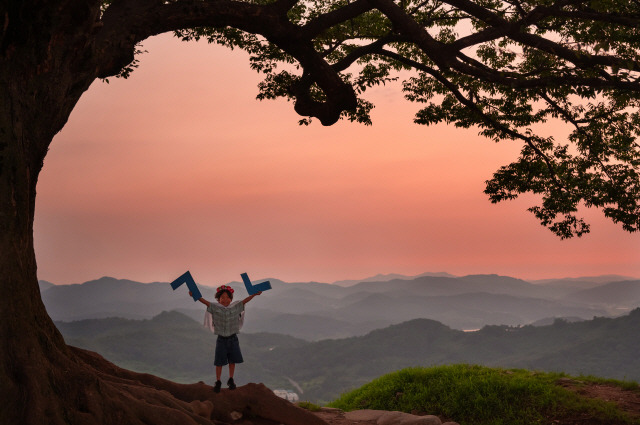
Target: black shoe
{"x":216,"y":388}
{"x":231,"y":384}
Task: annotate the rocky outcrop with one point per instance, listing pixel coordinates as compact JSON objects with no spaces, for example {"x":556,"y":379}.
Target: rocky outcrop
{"x":383,"y":417}
{"x":125,"y":397}
{"x":163,"y":402}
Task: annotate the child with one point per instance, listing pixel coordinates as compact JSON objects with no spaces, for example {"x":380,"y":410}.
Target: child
{"x":226,"y":323}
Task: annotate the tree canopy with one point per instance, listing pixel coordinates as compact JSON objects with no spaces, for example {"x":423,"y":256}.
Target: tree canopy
{"x":504,"y":67}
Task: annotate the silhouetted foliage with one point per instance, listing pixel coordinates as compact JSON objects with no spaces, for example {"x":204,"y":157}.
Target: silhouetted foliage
{"x":501,"y":66}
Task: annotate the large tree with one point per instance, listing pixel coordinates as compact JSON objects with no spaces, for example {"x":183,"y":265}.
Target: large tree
{"x":503,"y":66}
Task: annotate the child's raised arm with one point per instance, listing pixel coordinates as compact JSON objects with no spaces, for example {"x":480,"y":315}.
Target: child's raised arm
{"x":202,"y":300}
{"x":249,"y":298}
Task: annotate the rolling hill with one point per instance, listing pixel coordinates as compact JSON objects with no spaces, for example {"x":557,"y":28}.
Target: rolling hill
{"x":174,"y":346}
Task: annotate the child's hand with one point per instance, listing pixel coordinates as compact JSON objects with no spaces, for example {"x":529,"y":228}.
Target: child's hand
{"x":190,"y":294}
{"x":250,"y":297}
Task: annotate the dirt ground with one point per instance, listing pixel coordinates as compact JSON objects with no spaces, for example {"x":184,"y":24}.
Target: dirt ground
{"x":627,"y":400}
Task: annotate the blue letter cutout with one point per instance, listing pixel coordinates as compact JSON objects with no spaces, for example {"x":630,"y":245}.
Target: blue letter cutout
{"x":254,"y":289}
{"x":191,"y":284}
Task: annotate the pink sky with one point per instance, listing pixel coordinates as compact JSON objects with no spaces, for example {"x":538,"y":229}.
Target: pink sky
{"x":180,"y":168}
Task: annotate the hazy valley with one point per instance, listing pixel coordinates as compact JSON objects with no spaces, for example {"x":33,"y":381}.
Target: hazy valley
{"x":322,"y":339}
{"x":174,"y":346}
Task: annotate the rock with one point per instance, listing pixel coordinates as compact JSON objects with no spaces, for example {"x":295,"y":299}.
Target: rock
{"x":401,"y":418}
{"x":258,"y":401}
{"x":154,"y":400}
{"x":235,"y":415}
{"x":383,"y":417}
{"x":429,"y":420}
{"x":364,"y":415}
{"x":202,"y":408}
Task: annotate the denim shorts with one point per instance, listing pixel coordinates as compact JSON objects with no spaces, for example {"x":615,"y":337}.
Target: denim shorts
{"x":227,"y":350}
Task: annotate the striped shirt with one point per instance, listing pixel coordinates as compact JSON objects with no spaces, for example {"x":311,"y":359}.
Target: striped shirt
{"x":226,"y":320}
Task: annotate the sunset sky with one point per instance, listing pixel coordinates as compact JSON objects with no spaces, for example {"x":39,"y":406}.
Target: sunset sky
{"x":180,"y":168}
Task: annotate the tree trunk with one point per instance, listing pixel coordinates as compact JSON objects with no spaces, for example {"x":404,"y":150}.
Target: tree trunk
{"x":42,"y":380}
{"x":30,"y":340}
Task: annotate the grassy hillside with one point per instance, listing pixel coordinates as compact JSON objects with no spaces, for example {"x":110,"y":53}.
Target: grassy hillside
{"x":602,"y":347}
{"x":474,"y":395}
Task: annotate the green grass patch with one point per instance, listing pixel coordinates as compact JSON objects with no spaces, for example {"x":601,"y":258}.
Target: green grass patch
{"x":476,"y":395}
{"x":309,"y":406}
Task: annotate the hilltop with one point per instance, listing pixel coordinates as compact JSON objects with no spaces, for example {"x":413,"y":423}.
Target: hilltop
{"x":475,"y":395}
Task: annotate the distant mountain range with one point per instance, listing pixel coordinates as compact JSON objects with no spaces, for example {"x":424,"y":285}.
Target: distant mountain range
{"x":387,"y":277}
{"x":594,"y":280}
{"x":174,"y":346}
{"x":314,"y":310}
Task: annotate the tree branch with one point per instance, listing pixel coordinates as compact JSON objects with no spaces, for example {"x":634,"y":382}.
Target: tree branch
{"x":127,"y":22}
{"x":319,"y":24}
{"x":472,"y":106}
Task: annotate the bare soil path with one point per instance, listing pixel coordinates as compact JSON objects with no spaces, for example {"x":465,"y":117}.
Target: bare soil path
{"x":627,"y":400}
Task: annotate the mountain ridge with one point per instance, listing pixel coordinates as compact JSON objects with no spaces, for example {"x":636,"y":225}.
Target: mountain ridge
{"x":466,"y":302}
